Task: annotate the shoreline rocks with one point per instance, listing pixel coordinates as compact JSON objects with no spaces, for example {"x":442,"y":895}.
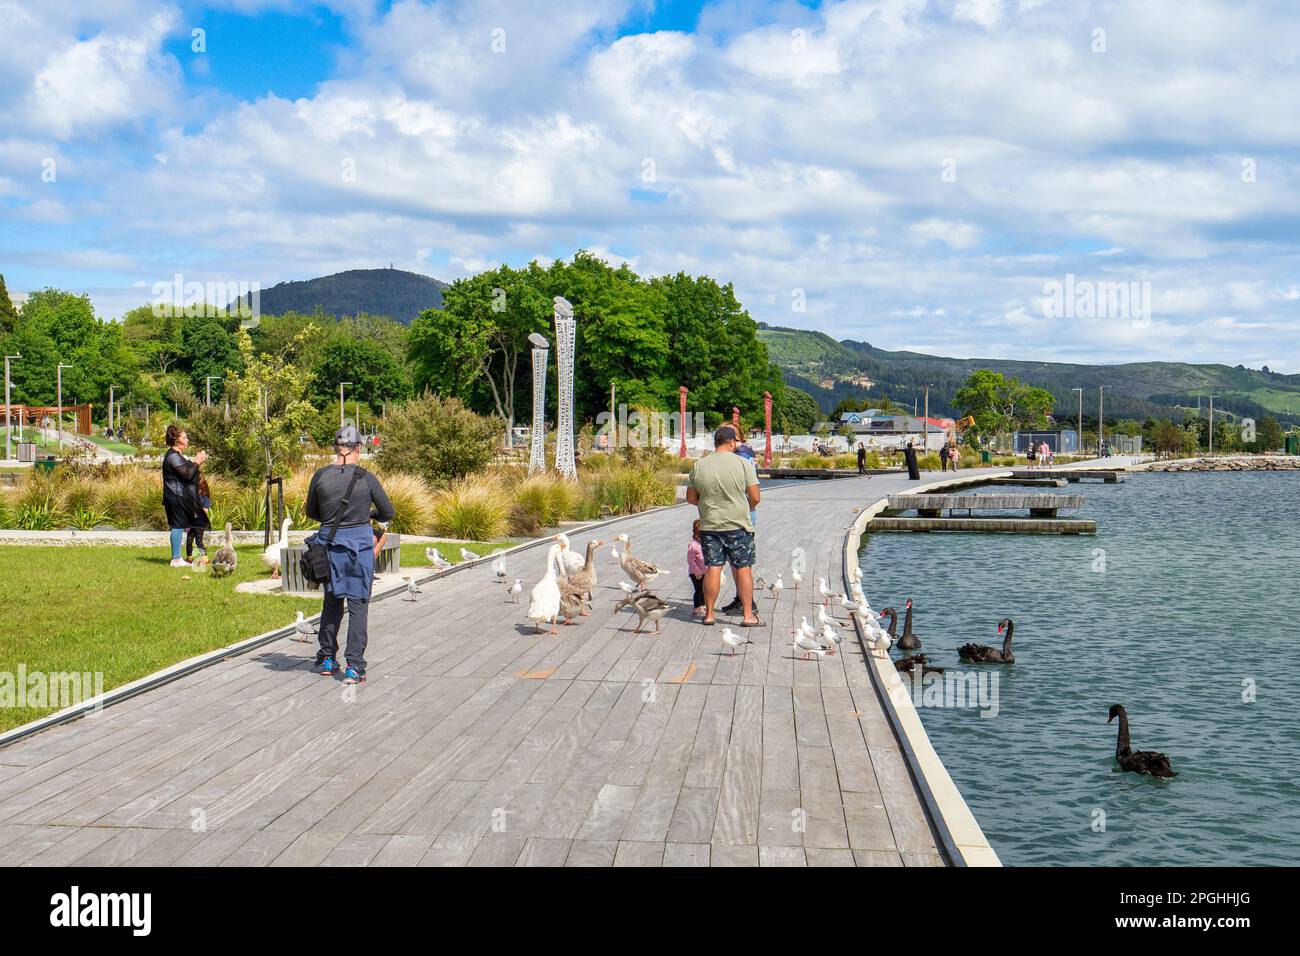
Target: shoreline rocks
{"x":1229,"y":463}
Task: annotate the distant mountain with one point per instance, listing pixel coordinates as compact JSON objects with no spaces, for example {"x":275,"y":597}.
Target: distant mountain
{"x":391,"y":292}
{"x":831,"y":371}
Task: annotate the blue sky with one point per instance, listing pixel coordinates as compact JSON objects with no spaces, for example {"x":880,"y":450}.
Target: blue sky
{"x":915,"y":173}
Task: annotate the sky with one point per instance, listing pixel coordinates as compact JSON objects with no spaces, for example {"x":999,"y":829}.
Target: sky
{"x":1067,"y":180}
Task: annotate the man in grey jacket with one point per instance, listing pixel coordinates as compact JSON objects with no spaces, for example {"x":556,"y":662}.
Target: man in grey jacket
{"x":351,"y":550}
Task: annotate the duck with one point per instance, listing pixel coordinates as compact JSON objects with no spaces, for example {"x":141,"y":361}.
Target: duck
{"x":1149,"y":762}
{"x":909,"y":641}
{"x":909,"y":664}
{"x":983,"y":654}
{"x":648,"y":607}
{"x":584,"y":579}
{"x":436,"y":560}
{"x":544,"y":599}
{"x":642,"y":572}
{"x":271,"y":556}
{"x":733,"y":640}
{"x":225,"y":559}
{"x":570,"y":562}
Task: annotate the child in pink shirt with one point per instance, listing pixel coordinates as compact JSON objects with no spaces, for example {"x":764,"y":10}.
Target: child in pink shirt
{"x":695,"y":568}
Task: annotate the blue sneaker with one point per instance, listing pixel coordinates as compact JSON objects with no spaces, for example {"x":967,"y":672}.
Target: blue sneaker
{"x":353,"y":676}
{"x":328,"y":666}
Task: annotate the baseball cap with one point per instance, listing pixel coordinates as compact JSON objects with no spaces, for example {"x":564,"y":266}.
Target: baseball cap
{"x":723,"y":435}
{"x":347,"y":436}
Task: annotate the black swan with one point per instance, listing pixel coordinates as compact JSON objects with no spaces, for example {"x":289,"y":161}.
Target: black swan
{"x":912,"y":661}
{"x":983,"y":654}
{"x":1139,"y":761}
{"x":909,"y":641}
{"x":890,"y":613}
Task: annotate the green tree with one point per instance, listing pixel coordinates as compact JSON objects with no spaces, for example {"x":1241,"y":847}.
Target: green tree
{"x":375,"y":375}
{"x":796,"y":413}
{"x":438,"y":438}
{"x":208,"y":348}
{"x":8,"y":314}
{"x":1001,"y":404}
{"x":1269,"y":435}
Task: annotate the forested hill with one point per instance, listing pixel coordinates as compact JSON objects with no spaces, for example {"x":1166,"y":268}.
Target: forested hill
{"x":391,"y":292}
{"x":831,"y":371}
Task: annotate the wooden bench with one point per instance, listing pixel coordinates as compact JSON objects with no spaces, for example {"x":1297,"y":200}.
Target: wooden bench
{"x":389,"y":560}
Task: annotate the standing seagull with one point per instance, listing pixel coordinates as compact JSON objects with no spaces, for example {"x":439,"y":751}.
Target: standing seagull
{"x":499,"y":569}
{"x":730,"y":638}
{"x":412,"y":589}
{"x":303,"y":630}
{"x":797,"y":577}
{"x":436,"y":560}
{"x":515,"y":590}
{"x":468,"y":555}
{"x":807,"y":645}
{"x":831,"y":637}
{"x":776,"y":588}
{"x":824,"y":591}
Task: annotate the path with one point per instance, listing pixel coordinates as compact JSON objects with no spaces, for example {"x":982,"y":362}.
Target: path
{"x":477,"y":742}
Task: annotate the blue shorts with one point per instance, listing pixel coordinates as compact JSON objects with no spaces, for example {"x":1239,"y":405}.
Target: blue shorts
{"x":735,"y":547}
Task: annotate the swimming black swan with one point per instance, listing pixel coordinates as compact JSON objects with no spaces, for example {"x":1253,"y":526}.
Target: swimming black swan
{"x":1139,"y":761}
{"x":909,"y":663}
{"x":909,"y":641}
{"x":983,"y":654}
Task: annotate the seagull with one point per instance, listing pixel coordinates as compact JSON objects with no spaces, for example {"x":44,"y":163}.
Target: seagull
{"x":468,"y":555}
{"x":776,"y":587}
{"x":623,"y":585}
{"x":831,"y":637}
{"x":436,"y":559}
{"x":732,"y":640}
{"x":824,"y":591}
{"x":856,"y":576}
{"x":303,"y":629}
{"x":412,"y":589}
{"x":499,"y":569}
{"x":805,"y":628}
{"x":796,"y":577}
{"x":613,"y":552}
{"x":849,"y":605}
{"x":880,"y":642}
{"x":515,"y":590}
{"x":807,"y":645}
{"x":824,"y":619}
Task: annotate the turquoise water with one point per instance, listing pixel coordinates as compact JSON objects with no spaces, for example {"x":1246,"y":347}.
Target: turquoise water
{"x":1197,"y":606}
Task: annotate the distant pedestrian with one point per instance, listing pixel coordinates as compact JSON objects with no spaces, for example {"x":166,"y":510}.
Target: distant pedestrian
{"x":1030,"y":454}
{"x":909,"y":456}
{"x":862,"y":459}
{"x":347,"y":492}
{"x":954,"y":455}
{"x":1044,"y":454}
{"x":943,"y":457}
{"x":180,"y":490}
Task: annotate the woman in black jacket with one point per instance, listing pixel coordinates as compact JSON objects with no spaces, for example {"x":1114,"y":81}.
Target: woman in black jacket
{"x":180,"y":491}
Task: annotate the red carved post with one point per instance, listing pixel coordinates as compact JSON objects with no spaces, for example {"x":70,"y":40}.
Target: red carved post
{"x":681,"y":392}
{"x":767,"y":428}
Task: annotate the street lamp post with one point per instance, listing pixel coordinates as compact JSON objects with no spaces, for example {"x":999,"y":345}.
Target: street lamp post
{"x":341,"y":409}
{"x":1080,"y":442}
{"x":58,"y":377}
{"x":207,"y":388}
{"x":1101,"y":419}
{"x":9,"y":423}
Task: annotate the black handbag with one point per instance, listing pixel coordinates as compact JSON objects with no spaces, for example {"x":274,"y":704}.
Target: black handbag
{"x":315,"y":561}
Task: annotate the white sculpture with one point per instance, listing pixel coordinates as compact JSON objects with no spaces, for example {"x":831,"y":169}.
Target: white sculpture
{"x":537,"y":459}
{"x":565,"y":327}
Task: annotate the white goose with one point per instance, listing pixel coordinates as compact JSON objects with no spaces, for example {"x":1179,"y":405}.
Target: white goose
{"x":544,"y":600}
{"x":271,"y":556}
{"x":643,"y":572}
{"x":570,"y":563}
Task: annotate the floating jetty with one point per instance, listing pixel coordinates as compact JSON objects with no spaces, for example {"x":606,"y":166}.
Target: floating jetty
{"x":1042,"y":510}
{"x":1030,"y":482}
{"x":932,"y":506}
{"x":822,"y":472}
{"x":986,"y":525}
{"x":1070,"y":474}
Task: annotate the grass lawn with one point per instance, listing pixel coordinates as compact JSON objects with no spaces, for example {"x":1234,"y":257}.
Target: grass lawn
{"x":126,"y":613}
{"x":113,"y":445}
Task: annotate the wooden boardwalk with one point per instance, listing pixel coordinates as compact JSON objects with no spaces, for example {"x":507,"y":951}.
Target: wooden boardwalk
{"x":477,"y":742}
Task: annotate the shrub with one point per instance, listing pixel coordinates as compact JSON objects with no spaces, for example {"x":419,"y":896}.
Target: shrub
{"x":37,"y":516}
{"x":412,"y":503}
{"x":475,"y":508}
{"x":85,"y":519}
{"x":543,"y":501}
{"x":630,"y":489}
{"x":438,"y":439}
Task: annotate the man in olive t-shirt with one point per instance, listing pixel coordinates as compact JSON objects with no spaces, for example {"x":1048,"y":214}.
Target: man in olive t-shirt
{"x":724,"y":486}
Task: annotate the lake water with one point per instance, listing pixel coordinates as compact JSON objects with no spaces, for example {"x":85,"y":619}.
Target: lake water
{"x":1184,"y":603}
